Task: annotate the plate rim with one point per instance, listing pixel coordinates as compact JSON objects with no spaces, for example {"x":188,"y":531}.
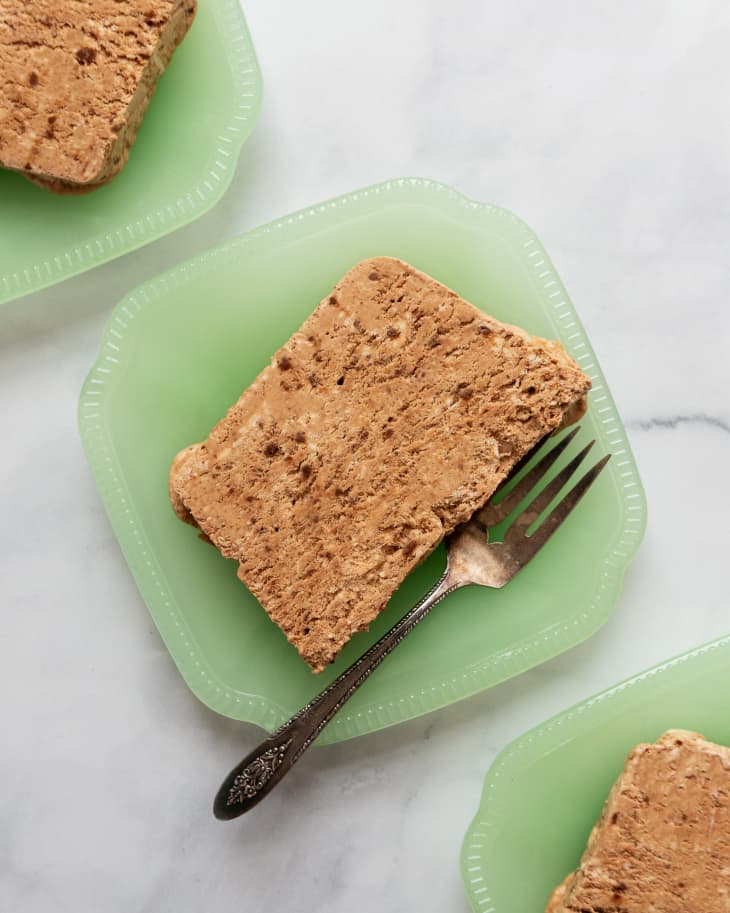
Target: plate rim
{"x":260,"y":710}
{"x":476,"y":842}
{"x":192,"y":202}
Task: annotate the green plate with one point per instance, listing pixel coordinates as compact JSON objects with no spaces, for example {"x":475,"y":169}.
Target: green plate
{"x":180,"y":349}
{"x":545,"y":791}
{"x":181,"y":163}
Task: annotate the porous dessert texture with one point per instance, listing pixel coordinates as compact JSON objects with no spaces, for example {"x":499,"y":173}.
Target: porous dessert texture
{"x":662,"y":843}
{"x":384,"y":422}
{"x":76,"y":77}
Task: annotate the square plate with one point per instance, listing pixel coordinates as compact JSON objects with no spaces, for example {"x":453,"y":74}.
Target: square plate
{"x":180,"y":349}
{"x":182,"y":161}
{"x":545,"y":791}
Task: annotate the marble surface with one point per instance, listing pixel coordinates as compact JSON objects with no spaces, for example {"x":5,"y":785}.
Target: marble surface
{"x":605,"y":127}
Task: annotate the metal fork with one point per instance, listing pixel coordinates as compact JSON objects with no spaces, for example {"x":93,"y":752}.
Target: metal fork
{"x":470,"y":559}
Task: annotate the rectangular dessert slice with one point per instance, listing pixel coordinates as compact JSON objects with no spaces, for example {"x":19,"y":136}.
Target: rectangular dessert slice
{"x":76,"y":80}
{"x":384,"y":422}
{"x":662,"y":842}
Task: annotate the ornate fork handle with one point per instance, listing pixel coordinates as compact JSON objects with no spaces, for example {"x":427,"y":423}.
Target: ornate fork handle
{"x":470,"y":558}
{"x":259,"y":772}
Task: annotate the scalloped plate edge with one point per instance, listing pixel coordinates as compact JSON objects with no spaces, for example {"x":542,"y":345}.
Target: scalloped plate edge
{"x":149,"y":226}
{"x":258,"y":709}
{"x":476,"y":844}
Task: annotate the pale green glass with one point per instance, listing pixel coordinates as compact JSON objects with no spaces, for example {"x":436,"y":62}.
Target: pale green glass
{"x":180,"y":349}
{"x":182,"y":161}
{"x":545,"y":791}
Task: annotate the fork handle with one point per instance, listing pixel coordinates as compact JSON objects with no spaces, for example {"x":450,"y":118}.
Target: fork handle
{"x":259,"y":772}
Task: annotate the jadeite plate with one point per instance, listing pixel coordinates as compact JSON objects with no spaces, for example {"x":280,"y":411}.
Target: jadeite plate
{"x":545,"y":791}
{"x":182,"y":161}
{"x":180,"y":349}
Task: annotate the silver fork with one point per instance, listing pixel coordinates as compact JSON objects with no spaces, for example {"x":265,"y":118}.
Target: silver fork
{"x":470,"y":559}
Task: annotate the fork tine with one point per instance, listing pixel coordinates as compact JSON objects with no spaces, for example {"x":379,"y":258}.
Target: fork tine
{"x":491,"y":514}
{"x":529,"y":545}
{"x":542,"y":499}
{"x":522,"y":462}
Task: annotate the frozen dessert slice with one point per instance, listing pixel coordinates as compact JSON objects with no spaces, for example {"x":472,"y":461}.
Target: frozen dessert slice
{"x":76,"y":80}
{"x":384,"y":422}
{"x":662,"y":843}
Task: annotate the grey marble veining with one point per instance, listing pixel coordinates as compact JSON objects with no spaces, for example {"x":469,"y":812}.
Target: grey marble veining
{"x":605,"y":127}
{"x":674,"y":421}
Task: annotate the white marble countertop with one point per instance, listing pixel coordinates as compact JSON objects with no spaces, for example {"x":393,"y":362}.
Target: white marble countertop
{"x":605,"y":127}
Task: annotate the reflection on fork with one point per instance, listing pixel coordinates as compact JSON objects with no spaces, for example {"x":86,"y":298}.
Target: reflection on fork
{"x":471,"y":559}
